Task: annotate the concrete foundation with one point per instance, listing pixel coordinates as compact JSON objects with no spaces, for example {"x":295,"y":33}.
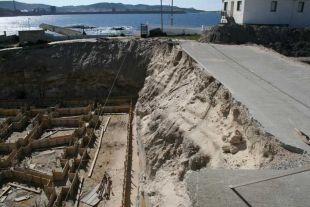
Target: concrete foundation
{"x":61,"y":185}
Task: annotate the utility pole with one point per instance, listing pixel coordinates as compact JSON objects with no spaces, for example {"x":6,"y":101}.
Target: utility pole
{"x":161,"y":16}
{"x":172,"y":13}
{"x":14,"y":5}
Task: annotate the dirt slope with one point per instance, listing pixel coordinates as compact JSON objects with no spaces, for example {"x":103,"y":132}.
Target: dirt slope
{"x":74,"y":70}
{"x":187,"y":120}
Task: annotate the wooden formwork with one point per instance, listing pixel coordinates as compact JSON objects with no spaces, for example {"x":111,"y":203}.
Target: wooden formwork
{"x":70,"y":151}
{"x":73,"y":111}
{"x":76,"y":152}
{"x":61,"y":197}
{"x":64,"y":122}
{"x":51,"y":194}
{"x":113,"y":109}
{"x":6,"y":148}
{"x":34,"y":111}
{"x":28,"y":176}
{"x":11,"y":124}
{"x":51,"y":142}
{"x":47,"y":102}
{"x":9,"y":112}
{"x":128,"y":163}
{"x":60,"y":176}
{"x":12,"y":104}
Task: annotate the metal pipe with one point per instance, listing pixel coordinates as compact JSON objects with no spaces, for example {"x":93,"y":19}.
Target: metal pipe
{"x":14,"y":5}
{"x":161,"y":16}
{"x":172,"y":13}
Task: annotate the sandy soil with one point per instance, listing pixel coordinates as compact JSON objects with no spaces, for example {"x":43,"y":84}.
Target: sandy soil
{"x":57,"y":134}
{"x":137,"y":174}
{"x":2,"y":120}
{"x":39,"y":199}
{"x":45,"y":161}
{"x":19,"y":135}
{"x":187,"y":120}
{"x":111,"y":159}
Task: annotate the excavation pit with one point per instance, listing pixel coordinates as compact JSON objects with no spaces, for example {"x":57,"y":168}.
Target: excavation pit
{"x":165,"y":117}
{"x":56,"y":147}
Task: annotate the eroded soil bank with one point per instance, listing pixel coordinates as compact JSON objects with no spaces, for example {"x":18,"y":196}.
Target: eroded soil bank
{"x":185,"y":119}
{"x":74,"y":70}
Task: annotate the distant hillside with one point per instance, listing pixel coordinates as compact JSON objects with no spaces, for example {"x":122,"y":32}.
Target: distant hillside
{"x":99,"y":7}
{"x":104,"y":7}
{"x":22,"y":6}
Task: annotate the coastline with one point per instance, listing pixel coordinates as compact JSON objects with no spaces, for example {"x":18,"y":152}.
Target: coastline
{"x":108,"y":12}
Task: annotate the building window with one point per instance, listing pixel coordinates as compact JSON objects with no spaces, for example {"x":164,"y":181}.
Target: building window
{"x":301,"y":6}
{"x":225,"y":6}
{"x":274,"y":5}
{"x":239,"y":4}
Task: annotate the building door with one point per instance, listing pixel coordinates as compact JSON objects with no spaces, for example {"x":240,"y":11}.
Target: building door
{"x":232,"y":7}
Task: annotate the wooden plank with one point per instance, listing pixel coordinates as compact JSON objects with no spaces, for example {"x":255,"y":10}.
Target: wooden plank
{"x":7,"y":189}
{"x":50,"y":134}
{"x":2,"y":199}
{"x":78,"y":197}
{"x":98,"y":149}
{"x":25,"y":188}
{"x":22,"y":198}
{"x":91,"y":198}
{"x":106,"y":124}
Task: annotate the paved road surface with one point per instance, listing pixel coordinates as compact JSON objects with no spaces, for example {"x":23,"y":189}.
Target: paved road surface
{"x":210,"y":188}
{"x":275,"y":89}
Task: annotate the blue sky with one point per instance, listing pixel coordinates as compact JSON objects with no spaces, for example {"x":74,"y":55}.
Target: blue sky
{"x":198,"y":4}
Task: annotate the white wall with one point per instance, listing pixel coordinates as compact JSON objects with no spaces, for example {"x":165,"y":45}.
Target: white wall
{"x":258,"y":12}
{"x":238,"y":15}
{"x":301,"y":19}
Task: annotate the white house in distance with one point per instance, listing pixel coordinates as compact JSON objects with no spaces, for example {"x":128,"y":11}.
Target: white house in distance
{"x":293,"y":13}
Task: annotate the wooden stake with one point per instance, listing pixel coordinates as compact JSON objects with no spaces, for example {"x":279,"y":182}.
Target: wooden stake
{"x":77,"y":202}
{"x":98,"y":149}
{"x":5,"y":191}
{"x":25,"y":188}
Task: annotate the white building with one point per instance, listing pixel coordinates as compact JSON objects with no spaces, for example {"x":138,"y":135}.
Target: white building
{"x":294,"y":13}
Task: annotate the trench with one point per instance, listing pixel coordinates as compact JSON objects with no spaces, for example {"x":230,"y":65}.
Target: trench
{"x":164,"y":118}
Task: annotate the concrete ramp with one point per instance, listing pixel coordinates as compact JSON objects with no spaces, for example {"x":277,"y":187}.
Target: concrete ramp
{"x":275,"y":89}
{"x":211,"y":188}
{"x":60,"y":30}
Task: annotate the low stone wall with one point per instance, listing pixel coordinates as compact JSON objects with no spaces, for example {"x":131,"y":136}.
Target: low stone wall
{"x":31,"y":36}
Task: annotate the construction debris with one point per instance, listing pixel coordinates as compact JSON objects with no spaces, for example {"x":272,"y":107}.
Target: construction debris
{"x":91,"y":198}
{"x":5,"y":191}
{"x":22,"y":198}
{"x":25,"y":188}
{"x":50,"y":162}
